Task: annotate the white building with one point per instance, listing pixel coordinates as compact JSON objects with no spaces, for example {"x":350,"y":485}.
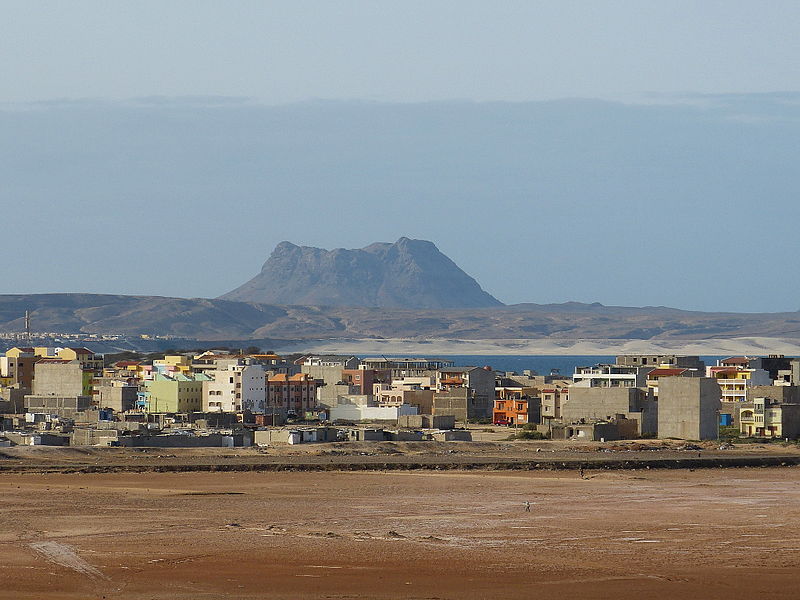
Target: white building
{"x":611,"y":376}
{"x":234,"y":388}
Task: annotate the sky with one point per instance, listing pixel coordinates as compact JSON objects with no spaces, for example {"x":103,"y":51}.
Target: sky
{"x":630,"y":153}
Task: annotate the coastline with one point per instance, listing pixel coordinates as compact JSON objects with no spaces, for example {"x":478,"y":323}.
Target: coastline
{"x":546,"y":346}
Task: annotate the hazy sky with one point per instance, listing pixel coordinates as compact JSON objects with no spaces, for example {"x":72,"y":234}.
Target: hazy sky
{"x":406,"y":50}
{"x":166,"y":147}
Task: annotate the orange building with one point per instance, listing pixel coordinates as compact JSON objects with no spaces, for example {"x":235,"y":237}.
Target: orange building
{"x":511,"y":407}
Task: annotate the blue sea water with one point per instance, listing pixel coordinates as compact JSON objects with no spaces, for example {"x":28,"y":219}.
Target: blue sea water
{"x":542,"y":364}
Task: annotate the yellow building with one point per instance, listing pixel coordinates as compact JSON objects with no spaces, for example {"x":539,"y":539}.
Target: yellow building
{"x":767,"y":418}
{"x":178,"y":393}
{"x":87,"y":358}
{"x":174,"y":363}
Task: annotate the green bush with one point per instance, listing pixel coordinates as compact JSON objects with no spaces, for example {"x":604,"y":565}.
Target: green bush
{"x":529,"y":434}
{"x":728,"y":432}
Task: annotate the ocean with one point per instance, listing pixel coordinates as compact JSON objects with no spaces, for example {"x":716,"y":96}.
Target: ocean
{"x":541,"y":364}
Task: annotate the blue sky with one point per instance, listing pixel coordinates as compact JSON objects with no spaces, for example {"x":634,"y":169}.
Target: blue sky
{"x":624,"y":152}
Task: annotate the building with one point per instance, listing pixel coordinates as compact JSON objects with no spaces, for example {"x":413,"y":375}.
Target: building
{"x":606,"y":404}
{"x":777,"y":365}
{"x":295,"y":394}
{"x":764,"y":417}
{"x":734,"y":379}
{"x":235,"y":387}
{"x":362,"y":380}
{"x":61,"y":406}
{"x":511,"y":410}
{"x":604,"y":375}
{"x":407,"y":367}
{"x":178,"y":393}
{"x":173,"y":363}
{"x":552,"y":399}
{"x":478,"y":380}
{"x":61,"y":377}
{"x":396,"y":395}
{"x":87,"y":358}
{"x":17,"y":367}
{"x":661,"y":360}
{"x":663,"y":371}
{"x":119,"y":396}
{"x":688,"y":408}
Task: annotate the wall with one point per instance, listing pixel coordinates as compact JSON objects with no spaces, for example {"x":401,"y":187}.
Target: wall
{"x":688,"y":408}
{"x":351,"y":412}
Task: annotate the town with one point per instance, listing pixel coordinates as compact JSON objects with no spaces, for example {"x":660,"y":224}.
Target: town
{"x":72,"y":396}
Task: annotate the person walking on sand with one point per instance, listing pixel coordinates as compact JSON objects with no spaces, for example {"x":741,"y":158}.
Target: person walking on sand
{"x":527,"y":506}
{"x":581,"y":473}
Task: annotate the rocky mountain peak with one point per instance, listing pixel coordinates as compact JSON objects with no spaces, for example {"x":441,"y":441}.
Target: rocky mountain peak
{"x":408,"y":273}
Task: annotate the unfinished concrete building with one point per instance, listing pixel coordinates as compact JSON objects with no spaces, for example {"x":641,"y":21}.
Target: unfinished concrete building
{"x":688,"y":408}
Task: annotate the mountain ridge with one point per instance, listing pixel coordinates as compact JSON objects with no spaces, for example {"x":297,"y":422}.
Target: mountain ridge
{"x":215,"y":319}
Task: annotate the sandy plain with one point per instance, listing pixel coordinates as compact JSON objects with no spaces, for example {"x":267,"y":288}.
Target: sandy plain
{"x":706,"y":533}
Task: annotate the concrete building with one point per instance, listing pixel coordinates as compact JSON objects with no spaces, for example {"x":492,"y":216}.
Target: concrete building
{"x":407,"y":367}
{"x":119,"y":398}
{"x":458,"y":402}
{"x":764,"y":417}
{"x":590,"y":404}
{"x":688,"y":408}
{"x":603,"y":375}
{"x":478,"y":380}
{"x":661,"y":372}
{"x":552,"y":398}
{"x":338,"y":361}
{"x":175,"y":394}
{"x":516,"y":408}
{"x":86,"y":358}
{"x":172,"y":364}
{"x":406,"y":393}
{"x":669,"y":361}
{"x":784,"y":394}
{"x":296,"y":394}
{"x":17,"y":366}
{"x":363,"y":380}
{"x":772,"y":364}
{"x":234,"y":387}
{"x":369,"y":412}
{"x":62,"y":406}
{"x":61,"y":377}
{"x":734,"y":381}
{"x":422,"y":421}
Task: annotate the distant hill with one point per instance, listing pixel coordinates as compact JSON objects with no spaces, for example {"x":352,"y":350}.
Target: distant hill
{"x":408,"y":274}
{"x":205,"y":319}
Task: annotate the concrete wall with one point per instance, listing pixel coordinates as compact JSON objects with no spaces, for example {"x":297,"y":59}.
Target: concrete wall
{"x":688,"y":408}
{"x":456,"y":435}
{"x":63,"y":406}
{"x":58,"y":379}
{"x":214,"y":440}
{"x":599,"y":403}
{"x":427,"y":421}
{"x":117,"y":398}
{"x":782,"y":393}
{"x":352,"y":412}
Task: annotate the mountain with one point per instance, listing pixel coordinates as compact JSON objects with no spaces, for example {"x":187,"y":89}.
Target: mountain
{"x":406,"y":274}
{"x":204,"y":319}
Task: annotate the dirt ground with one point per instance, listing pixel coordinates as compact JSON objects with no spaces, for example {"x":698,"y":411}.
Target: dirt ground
{"x":350,"y":455}
{"x":709,"y":533}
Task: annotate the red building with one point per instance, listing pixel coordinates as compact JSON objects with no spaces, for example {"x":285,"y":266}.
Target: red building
{"x":294,"y":393}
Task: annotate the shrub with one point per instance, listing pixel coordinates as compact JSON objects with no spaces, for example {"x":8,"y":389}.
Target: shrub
{"x":529,"y":434}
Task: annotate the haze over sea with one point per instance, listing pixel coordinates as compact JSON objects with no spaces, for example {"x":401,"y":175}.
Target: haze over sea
{"x":542,"y":364}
